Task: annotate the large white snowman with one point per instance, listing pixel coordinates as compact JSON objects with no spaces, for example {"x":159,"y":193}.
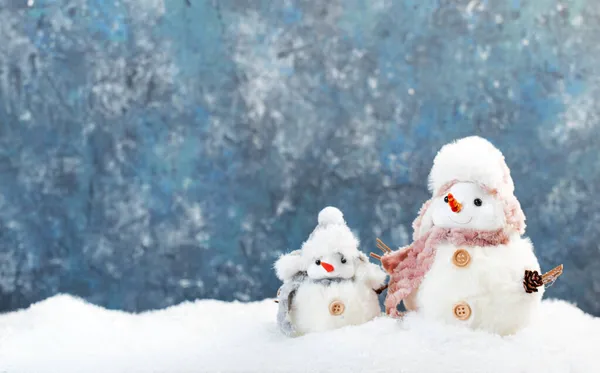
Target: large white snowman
{"x":469,"y":264}
{"x":329,"y":283}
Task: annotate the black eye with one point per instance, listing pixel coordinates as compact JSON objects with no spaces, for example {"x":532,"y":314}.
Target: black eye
{"x":446,"y":199}
{"x":477,"y":202}
{"x":318,"y":262}
{"x":343,"y":260}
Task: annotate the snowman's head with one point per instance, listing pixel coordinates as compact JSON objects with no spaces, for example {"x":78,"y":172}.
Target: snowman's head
{"x":467,"y":205}
{"x":472,"y":188}
{"x":331,"y":265}
{"x":331,"y":251}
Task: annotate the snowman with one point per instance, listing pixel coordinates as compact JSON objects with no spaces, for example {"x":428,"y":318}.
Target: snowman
{"x":328,"y":283}
{"x":469,"y":264}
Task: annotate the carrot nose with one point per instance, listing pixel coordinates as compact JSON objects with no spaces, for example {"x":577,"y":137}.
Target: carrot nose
{"x":455,"y":206}
{"x":328,"y":267}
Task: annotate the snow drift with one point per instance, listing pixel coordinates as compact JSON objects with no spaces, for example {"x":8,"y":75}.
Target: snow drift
{"x":65,"y":334}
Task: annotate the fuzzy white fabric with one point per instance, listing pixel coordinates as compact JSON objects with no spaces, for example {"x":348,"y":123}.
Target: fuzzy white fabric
{"x":334,"y":238}
{"x":471,"y":159}
{"x":336,"y":271}
{"x":331,"y":235}
{"x":289,"y":264}
{"x":305,"y":302}
{"x":489,"y":216}
{"x":330,"y":241}
{"x":64,"y":334}
{"x":471,"y":169}
{"x":369,"y":273}
{"x":491,"y":285}
{"x":310,"y":309}
{"x":330,"y":215}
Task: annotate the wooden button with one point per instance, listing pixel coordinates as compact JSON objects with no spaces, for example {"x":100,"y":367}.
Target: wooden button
{"x":279,"y":292}
{"x":462,"y":311}
{"x":461,"y":258}
{"x":336,"y":307}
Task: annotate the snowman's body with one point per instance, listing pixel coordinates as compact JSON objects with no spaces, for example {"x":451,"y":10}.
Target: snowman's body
{"x":481,"y":289}
{"x":320,"y":306}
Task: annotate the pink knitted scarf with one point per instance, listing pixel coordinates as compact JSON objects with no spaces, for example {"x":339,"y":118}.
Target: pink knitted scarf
{"x":407,"y":267}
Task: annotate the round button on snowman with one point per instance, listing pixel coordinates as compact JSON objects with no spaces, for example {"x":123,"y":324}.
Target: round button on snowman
{"x":469,"y":264}
{"x":328,"y":283}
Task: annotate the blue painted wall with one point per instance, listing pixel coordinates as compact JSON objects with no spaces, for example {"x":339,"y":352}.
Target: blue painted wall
{"x":153,"y":151}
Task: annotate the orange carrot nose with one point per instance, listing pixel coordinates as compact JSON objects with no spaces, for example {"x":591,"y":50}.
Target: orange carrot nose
{"x":328,"y":267}
{"x":455,"y":206}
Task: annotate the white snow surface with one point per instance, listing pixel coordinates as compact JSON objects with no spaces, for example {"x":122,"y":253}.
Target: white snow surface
{"x":65,"y":334}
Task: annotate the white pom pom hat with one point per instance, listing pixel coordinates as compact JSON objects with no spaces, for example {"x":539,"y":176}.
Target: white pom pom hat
{"x":472,"y":159}
{"x":331,"y":235}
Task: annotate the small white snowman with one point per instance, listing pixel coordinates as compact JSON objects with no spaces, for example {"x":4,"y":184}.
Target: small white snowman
{"x":328,"y":283}
{"x":469,"y":264}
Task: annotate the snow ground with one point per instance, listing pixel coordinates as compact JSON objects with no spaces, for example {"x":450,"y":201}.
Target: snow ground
{"x":64,"y":334}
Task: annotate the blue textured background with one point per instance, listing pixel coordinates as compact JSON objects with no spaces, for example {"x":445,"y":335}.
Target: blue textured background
{"x":156,"y":151}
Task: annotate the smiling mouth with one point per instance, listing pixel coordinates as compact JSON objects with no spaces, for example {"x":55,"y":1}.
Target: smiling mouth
{"x":460,"y":222}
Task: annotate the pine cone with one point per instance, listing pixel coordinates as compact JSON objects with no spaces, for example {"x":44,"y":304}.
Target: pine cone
{"x":532,"y":281}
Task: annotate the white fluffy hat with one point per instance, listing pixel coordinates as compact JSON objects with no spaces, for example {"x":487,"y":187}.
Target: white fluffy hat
{"x":331,"y":235}
{"x":472,"y":159}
